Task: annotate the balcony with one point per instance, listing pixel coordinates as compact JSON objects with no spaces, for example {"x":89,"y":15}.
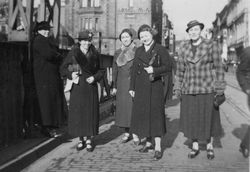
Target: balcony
{"x":90,"y":10}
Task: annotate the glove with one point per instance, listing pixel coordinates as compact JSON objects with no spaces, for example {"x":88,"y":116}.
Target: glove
{"x":177,"y":93}
{"x":219,"y":92}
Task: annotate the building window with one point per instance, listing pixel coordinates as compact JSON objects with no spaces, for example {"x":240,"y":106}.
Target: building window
{"x":97,"y":3}
{"x":90,"y":3}
{"x":82,"y":23}
{"x":131,"y":3}
{"x":90,"y":24}
{"x":86,"y":23}
{"x":96,"y":24}
{"x":84,"y":3}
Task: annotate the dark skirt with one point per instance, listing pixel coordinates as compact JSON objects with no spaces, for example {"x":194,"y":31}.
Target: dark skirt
{"x":199,"y":119}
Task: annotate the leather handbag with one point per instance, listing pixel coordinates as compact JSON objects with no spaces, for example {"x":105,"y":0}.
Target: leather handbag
{"x":219,"y":99}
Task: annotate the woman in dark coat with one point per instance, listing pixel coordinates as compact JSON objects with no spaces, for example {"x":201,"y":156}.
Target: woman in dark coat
{"x":82,"y":66}
{"x":243,"y":77}
{"x":49,"y":85}
{"x":146,"y":88}
{"x":122,"y":62}
{"x":199,"y":77}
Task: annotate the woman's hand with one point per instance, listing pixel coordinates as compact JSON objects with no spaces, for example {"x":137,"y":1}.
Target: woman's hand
{"x":149,"y":69}
{"x":90,"y":79}
{"x":132,"y":93}
{"x":114,"y":91}
{"x":74,"y":75}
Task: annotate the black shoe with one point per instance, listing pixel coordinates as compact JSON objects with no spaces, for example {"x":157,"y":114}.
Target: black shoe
{"x":146,"y":149}
{"x":53,"y":134}
{"x":89,"y":147}
{"x":80,"y":146}
{"x":193,"y":153}
{"x":244,"y":151}
{"x":210,"y":154}
{"x":158,"y":155}
{"x":136,"y":143}
{"x":125,"y":139}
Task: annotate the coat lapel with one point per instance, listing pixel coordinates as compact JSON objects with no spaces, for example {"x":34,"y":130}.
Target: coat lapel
{"x":197,"y":57}
{"x":147,"y":55}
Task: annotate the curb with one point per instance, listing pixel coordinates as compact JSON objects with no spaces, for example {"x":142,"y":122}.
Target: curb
{"x":21,"y":161}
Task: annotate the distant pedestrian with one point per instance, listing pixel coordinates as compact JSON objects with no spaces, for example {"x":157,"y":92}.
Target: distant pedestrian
{"x":146,"y":88}
{"x":122,"y":62}
{"x":82,"y":67}
{"x":199,"y":77}
{"x":49,"y":86}
{"x":243,"y":77}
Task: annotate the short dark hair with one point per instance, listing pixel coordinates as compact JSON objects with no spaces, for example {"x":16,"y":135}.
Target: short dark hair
{"x":146,"y":27}
{"x":127,"y":31}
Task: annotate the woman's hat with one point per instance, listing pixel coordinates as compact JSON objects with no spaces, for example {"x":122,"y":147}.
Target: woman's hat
{"x":43,"y":25}
{"x":85,"y":35}
{"x":194,"y":23}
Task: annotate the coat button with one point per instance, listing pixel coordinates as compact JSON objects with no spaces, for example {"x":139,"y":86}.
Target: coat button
{"x":139,"y":64}
{"x":139,"y":72}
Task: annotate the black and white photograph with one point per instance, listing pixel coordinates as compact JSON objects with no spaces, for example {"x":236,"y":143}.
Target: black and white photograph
{"x":124,"y":85}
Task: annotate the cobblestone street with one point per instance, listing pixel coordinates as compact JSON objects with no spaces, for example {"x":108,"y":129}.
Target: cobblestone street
{"x":111,"y":156}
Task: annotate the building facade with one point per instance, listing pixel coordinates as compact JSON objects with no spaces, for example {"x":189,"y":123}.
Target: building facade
{"x":232,"y":25}
{"x":107,"y":18}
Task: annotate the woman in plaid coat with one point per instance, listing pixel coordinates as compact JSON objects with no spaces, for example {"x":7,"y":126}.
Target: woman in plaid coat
{"x":199,"y":76}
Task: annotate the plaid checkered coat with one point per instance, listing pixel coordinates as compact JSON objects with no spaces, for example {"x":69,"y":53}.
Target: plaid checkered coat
{"x":202,"y":73}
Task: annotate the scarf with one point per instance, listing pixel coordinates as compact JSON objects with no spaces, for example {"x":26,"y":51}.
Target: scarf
{"x":127,"y":54}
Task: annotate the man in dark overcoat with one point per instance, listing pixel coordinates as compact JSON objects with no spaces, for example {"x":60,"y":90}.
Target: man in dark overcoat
{"x":243,"y":76}
{"x":48,"y":83}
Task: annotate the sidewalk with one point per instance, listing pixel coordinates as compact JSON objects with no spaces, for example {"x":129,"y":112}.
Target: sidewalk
{"x":26,"y":151}
{"x":111,"y":156}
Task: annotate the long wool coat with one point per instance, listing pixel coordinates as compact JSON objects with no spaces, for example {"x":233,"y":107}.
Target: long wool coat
{"x":49,"y":86}
{"x":83,"y":117}
{"x":121,"y":78}
{"x":148,"y":116}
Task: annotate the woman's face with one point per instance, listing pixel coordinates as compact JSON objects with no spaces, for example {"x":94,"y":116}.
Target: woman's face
{"x":194,"y":32}
{"x":126,"y":39}
{"x":146,"y":37}
{"x":85,"y":44}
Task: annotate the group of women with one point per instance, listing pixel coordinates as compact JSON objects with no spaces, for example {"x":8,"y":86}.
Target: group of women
{"x":138,"y":85}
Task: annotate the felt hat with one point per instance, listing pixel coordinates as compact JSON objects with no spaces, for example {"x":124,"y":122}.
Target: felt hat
{"x":194,"y":23}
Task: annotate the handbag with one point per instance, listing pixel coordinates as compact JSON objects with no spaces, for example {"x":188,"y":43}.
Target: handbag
{"x":219,"y":99}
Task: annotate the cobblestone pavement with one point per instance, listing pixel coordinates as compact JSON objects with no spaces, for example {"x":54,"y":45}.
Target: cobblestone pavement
{"x":111,"y":156}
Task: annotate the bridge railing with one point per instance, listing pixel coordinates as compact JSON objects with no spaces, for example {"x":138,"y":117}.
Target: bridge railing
{"x":18,"y":100}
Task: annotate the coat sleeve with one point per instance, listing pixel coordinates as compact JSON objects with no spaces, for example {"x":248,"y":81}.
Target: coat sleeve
{"x":180,"y":70}
{"x":219,"y":83}
{"x":66,"y":67}
{"x":165,"y":65}
{"x":133,"y":71}
{"x":45,"y":50}
{"x":100,"y":71}
{"x":114,"y":71}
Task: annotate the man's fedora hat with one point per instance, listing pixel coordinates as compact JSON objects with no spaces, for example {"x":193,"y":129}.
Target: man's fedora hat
{"x":85,"y":35}
{"x":43,"y":25}
{"x":194,"y":23}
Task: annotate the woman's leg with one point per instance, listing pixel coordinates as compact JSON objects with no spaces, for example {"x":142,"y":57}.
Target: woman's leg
{"x":136,"y":139}
{"x":147,"y":147}
{"x":80,"y":144}
{"x":158,"y":152}
{"x":210,"y":149}
{"x":89,"y":144}
{"x":125,"y":137}
{"x":158,"y":144}
{"x":195,"y":149}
